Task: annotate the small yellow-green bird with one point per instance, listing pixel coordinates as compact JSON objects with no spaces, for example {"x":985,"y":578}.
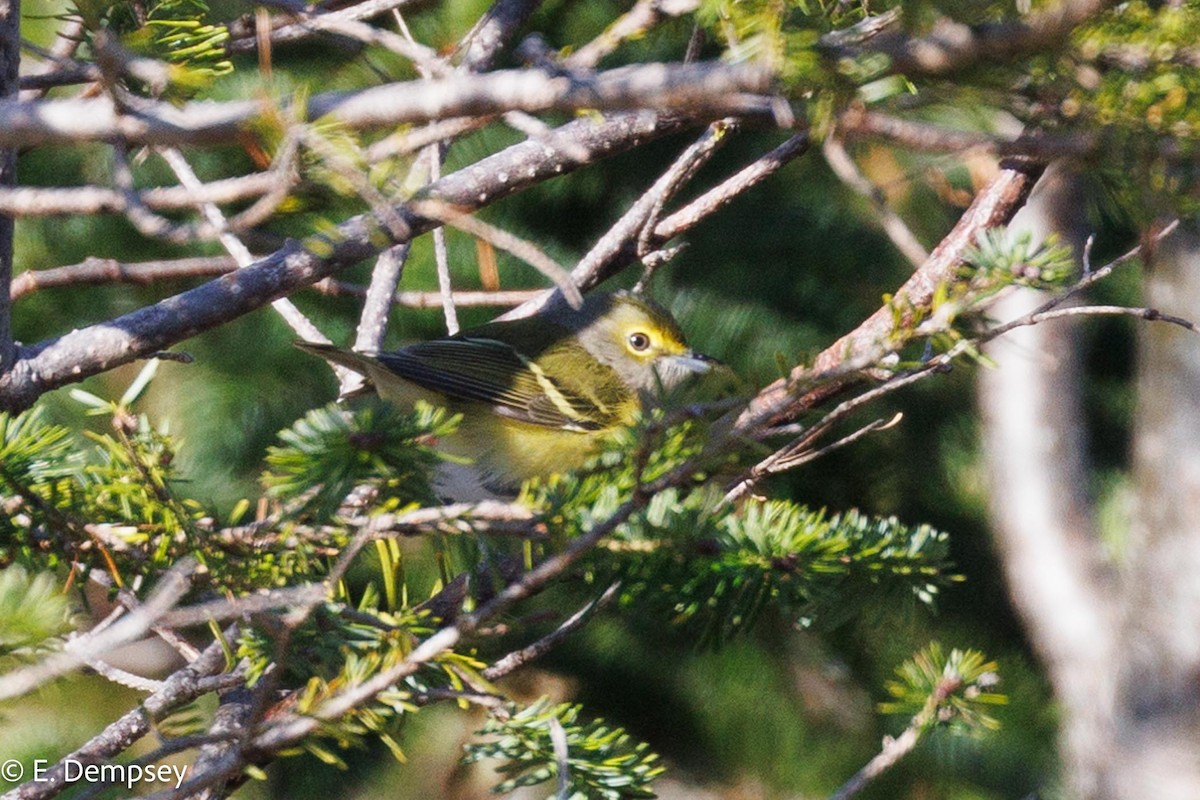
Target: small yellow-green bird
{"x":538,"y":394}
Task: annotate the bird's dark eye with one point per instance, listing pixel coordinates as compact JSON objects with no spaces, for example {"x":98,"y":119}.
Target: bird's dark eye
{"x":639,"y":341}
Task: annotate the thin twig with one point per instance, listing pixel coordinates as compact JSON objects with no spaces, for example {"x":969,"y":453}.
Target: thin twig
{"x":1148,"y":314}
{"x":591,"y":268}
{"x":633,"y":24}
{"x":892,"y":751}
{"x":725,"y":192}
{"x":441,"y":257}
{"x":37,"y":201}
{"x":504,"y":240}
{"x":145,"y":221}
{"x":303,"y":24}
{"x":1089,"y":278}
{"x":238,"y":607}
{"x":519,"y":658}
{"x":896,"y":229}
{"x":66,"y":42}
{"x":794,"y":456}
{"x":295,"y":319}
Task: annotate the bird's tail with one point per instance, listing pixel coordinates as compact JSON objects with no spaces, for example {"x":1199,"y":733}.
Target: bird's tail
{"x":359,"y":362}
{"x":355,"y":362}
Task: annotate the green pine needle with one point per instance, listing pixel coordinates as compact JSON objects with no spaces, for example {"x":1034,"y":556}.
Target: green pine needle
{"x":601,"y":761}
{"x":330,"y":451}
{"x":33,"y":611}
{"x":949,"y":690}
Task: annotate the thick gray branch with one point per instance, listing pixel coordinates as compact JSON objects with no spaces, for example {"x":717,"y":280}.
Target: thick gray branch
{"x":706,"y":89}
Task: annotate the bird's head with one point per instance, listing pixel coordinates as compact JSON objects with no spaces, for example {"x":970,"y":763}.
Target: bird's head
{"x":639,"y":340}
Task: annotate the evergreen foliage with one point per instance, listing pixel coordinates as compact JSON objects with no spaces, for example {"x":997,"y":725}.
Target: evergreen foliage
{"x":954,"y":690}
{"x":590,"y":760}
{"x":33,"y":612}
{"x":716,"y":568}
{"x":329,"y":452}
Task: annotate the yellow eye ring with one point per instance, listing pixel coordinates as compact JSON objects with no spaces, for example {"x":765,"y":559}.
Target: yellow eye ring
{"x":639,"y":342}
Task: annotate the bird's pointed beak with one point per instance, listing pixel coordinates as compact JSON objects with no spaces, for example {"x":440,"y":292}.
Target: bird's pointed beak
{"x":696,"y":362}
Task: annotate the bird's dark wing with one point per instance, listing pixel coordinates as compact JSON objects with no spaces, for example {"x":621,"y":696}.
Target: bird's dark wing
{"x":491,"y":371}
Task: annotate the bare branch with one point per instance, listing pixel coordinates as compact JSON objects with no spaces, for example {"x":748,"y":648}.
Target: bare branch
{"x":594,"y":267}
{"x":721,"y":195}
{"x":797,"y":454}
{"x":644,"y":15}
{"x":503,"y":240}
{"x":519,"y":658}
{"x":1147,"y":314}
{"x":103,"y":271}
{"x":892,"y":751}
{"x":858,"y":123}
{"x":204,"y":613}
{"x":229,"y":725}
{"x":441,"y":257}
{"x":494,"y":31}
{"x":1090,"y":278}
{"x":29,"y":201}
{"x":403,"y":142}
{"x":380,"y":295}
{"x":66,"y":42}
{"x":485,"y":41}
{"x":234,"y":246}
{"x":99,"y":271}
{"x":704,"y":89}
{"x":700,"y":89}
{"x":301,"y":24}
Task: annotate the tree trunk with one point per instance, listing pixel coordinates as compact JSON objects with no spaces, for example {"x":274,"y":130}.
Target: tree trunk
{"x":1034,"y":446}
{"x":1159,"y":695}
